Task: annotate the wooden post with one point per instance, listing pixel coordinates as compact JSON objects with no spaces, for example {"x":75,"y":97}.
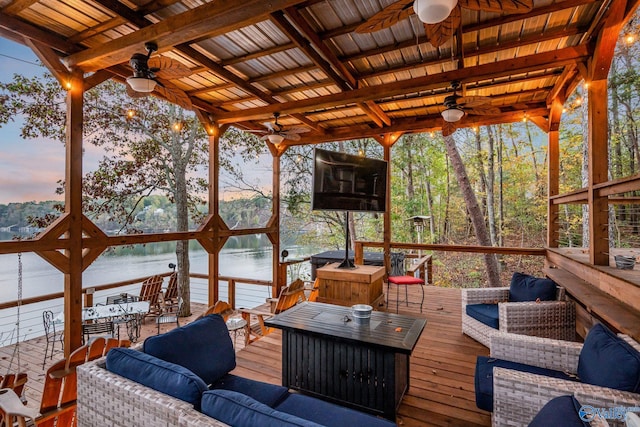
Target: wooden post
{"x":553,"y":227}
{"x":275,"y":220}
{"x":214,"y":209}
{"x":598,"y":172}
{"x":387,"y":212}
{"x":73,"y":208}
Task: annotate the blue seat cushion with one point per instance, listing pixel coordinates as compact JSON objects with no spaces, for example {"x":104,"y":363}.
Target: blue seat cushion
{"x":158,"y":374}
{"x":607,"y":360}
{"x":529,"y":288}
{"x":269,"y":394}
{"x":485,"y":313}
{"x":484,"y":377}
{"x":561,"y":411}
{"x":239,"y":410}
{"x":328,"y":414}
{"x":203,"y":346}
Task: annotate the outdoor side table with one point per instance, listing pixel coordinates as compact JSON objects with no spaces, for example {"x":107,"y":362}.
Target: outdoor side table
{"x":236,"y":325}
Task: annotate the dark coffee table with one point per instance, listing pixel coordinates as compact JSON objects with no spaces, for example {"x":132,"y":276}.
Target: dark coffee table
{"x":362,"y":366}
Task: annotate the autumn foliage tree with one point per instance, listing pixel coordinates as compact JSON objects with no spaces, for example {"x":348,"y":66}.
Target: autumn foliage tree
{"x":149,"y":147}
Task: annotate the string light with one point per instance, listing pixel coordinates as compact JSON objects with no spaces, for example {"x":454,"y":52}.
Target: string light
{"x":177,"y":126}
{"x":578,"y":101}
{"x":361,"y":153}
{"x":67,"y":85}
{"x":131,"y":113}
{"x":630,"y":38}
{"x":525,"y":118}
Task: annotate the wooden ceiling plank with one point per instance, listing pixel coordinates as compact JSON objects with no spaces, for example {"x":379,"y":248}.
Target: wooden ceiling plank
{"x":211,"y":19}
{"x":17,"y":26}
{"x":523,"y":64}
{"x":257,"y":55}
{"x":17,"y":6}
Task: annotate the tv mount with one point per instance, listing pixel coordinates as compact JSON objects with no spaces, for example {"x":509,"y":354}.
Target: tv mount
{"x":346,"y":262}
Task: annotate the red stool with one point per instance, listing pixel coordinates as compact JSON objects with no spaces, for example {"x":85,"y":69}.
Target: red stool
{"x":406,"y":281}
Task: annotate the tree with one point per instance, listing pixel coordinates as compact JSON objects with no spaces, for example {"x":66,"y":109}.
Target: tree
{"x":149,"y":147}
{"x":473,"y":209}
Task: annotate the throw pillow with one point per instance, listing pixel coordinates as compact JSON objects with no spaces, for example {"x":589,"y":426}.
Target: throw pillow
{"x":562,"y":410}
{"x":529,"y":288}
{"x":203,"y":346}
{"x":238,"y":410}
{"x":158,"y":374}
{"x":607,"y":360}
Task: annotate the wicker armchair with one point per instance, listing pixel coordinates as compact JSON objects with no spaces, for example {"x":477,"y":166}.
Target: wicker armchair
{"x":518,"y":396}
{"x":548,"y":319}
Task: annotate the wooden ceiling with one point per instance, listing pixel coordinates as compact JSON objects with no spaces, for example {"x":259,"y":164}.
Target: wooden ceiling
{"x":249,"y":59}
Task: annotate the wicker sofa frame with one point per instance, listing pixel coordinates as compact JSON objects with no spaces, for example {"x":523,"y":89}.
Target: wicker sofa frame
{"x":518,"y":396}
{"x":548,"y":319}
{"x":107,"y":399}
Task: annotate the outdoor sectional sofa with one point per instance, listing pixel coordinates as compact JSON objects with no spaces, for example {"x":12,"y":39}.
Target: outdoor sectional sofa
{"x":182,"y":378}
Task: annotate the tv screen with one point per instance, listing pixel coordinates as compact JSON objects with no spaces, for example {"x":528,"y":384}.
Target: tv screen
{"x":345,"y":182}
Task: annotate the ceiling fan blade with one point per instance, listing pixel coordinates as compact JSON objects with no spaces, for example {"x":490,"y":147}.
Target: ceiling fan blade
{"x":448,"y":128}
{"x":387,"y":17}
{"x":296,"y":129}
{"x":175,"y":95}
{"x":269,"y":126}
{"x":167,"y":68}
{"x":256,"y":131}
{"x":498,"y":6}
{"x":484,"y":111}
{"x":473,"y":101}
{"x":440,"y":33}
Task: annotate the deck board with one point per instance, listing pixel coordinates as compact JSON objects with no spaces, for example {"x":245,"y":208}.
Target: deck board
{"x":441,"y":389}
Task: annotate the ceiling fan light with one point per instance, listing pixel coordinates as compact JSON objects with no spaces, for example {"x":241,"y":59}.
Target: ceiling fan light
{"x":433,"y":11}
{"x":141,"y":84}
{"x":452,"y":115}
{"x":275,"y":139}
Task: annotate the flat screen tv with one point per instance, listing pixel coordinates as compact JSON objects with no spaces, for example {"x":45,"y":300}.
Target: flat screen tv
{"x":345,"y":182}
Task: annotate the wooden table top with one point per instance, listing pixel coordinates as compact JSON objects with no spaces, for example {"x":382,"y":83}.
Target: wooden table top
{"x":396,"y":332}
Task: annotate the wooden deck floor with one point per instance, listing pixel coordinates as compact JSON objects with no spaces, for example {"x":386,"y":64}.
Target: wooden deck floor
{"x":442,"y":364}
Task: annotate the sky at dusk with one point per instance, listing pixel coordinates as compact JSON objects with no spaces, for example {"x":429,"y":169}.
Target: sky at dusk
{"x":29,"y":168}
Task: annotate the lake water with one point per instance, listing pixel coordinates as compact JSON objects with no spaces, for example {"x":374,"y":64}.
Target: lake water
{"x":40,"y":278}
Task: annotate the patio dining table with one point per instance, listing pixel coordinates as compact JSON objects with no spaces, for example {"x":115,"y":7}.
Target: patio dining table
{"x":126,"y":311}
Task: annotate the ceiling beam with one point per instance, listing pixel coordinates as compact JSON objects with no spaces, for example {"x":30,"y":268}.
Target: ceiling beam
{"x":209,"y":19}
{"x":524,"y":64}
{"x":412,"y":125}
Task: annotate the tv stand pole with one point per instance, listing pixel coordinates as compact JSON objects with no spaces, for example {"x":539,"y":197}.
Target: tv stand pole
{"x":346,"y":263}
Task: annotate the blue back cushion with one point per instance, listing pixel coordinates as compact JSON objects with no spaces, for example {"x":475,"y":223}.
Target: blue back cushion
{"x":158,"y":374}
{"x":239,"y":410}
{"x":484,"y":377}
{"x":608,"y":361}
{"x":329,"y":414}
{"x":561,"y":411}
{"x":529,"y":288}
{"x":485,"y":313}
{"x":203,"y":346}
{"x":269,"y":394}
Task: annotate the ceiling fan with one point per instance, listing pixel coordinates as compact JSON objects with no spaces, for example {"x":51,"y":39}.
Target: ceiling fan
{"x":276,"y":133}
{"x":147,"y":71}
{"x":441,"y":18}
{"x":456,"y":106}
